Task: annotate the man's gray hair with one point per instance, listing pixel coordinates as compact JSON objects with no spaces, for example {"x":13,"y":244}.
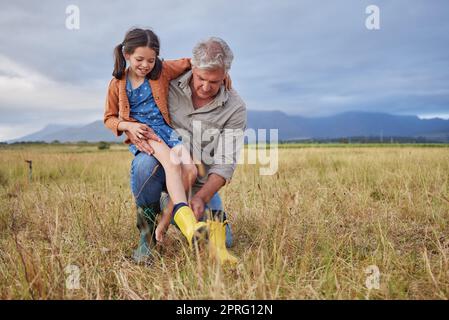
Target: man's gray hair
{"x":212,"y":53}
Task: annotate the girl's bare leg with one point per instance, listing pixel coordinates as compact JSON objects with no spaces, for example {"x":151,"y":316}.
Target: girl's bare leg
{"x":188,"y":168}
{"x":175,"y":186}
{"x":188,"y":179}
{"x":172,"y":168}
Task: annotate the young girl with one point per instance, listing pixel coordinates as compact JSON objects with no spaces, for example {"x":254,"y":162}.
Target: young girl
{"x":137,"y":101}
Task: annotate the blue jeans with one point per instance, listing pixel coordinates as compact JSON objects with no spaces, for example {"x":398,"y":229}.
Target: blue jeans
{"x":147,"y":181}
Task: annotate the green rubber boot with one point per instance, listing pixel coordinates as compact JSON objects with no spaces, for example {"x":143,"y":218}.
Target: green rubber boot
{"x":146,"y":223}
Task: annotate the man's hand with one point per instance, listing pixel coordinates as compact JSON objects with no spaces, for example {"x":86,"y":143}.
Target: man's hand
{"x":197,"y":204}
{"x":202,"y":197}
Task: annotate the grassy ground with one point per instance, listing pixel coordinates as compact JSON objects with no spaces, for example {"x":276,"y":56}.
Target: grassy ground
{"x":310,"y":231}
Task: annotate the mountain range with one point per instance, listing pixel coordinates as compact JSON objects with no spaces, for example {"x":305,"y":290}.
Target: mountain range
{"x":291,"y":127}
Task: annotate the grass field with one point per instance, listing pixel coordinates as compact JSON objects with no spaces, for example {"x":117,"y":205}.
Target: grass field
{"x":311,"y":231}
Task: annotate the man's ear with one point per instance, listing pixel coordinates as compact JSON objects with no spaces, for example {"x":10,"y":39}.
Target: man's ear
{"x":227,"y":82}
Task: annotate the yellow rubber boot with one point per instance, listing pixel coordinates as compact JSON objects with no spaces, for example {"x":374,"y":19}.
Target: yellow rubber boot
{"x":217,"y":243}
{"x":190,"y":228}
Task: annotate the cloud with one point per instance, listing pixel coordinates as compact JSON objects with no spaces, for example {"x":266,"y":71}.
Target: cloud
{"x":300,"y":57}
{"x":23,"y":88}
{"x":29,"y":100}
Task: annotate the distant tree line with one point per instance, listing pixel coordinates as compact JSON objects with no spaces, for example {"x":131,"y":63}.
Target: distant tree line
{"x":359,"y":140}
{"x":102,"y":145}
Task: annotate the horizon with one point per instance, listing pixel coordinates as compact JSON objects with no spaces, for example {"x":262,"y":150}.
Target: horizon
{"x":79,"y":125}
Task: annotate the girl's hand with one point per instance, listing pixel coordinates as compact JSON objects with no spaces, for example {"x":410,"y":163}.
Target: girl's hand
{"x":141,"y":145}
{"x":140,"y":134}
{"x":139,"y":130}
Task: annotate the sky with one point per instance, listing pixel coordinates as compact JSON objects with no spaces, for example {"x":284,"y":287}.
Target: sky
{"x":309,"y":58}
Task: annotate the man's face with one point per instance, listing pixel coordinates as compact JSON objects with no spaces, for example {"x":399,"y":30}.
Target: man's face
{"x":207,"y":83}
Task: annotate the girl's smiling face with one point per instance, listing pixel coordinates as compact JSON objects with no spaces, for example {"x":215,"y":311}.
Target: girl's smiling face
{"x":141,"y":61}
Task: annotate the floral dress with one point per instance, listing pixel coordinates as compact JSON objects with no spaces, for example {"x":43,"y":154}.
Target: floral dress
{"x":143,"y":108}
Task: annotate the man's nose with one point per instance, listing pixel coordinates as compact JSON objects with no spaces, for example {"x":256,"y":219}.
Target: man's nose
{"x":206,"y":86}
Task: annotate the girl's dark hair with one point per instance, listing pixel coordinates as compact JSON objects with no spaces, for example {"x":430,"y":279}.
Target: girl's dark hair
{"x":133,"y":39}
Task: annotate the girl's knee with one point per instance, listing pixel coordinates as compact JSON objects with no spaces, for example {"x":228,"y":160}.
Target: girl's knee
{"x":174,"y":164}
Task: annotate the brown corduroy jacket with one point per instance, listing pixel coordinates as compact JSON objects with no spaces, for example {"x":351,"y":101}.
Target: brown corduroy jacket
{"x":117,"y":107}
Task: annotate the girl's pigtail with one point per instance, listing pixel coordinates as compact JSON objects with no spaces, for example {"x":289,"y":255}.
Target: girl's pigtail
{"x":119,"y":62}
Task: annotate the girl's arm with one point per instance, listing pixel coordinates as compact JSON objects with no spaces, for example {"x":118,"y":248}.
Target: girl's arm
{"x":111,"y":109}
{"x":174,"y":68}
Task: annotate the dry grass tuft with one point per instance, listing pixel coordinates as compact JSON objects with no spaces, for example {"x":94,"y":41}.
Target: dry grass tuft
{"x":308,"y":232}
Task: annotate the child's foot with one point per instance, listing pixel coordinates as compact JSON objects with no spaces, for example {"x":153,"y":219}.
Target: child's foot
{"x":161,"y":229}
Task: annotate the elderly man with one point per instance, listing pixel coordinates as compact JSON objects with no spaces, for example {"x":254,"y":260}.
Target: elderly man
{"x":211,"y":121}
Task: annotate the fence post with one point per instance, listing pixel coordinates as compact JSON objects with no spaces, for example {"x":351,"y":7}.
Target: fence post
{"x":30,"y":166}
